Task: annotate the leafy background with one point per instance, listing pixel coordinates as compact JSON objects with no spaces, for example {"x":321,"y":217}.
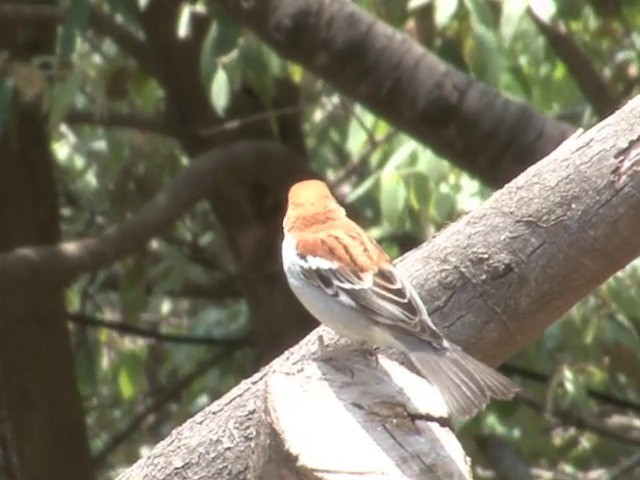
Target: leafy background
{"x":178,"y":344}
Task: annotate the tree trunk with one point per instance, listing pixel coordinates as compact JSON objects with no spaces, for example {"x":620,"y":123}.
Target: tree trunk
{"x":42,"y":428}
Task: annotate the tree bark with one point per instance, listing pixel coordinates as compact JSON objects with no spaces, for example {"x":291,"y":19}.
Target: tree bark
{"x":42,"y":432}
{"x":493,"y":280}
{"x":463,"y":120}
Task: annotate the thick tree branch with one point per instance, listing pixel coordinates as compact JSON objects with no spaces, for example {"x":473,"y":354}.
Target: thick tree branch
{"x":63,"y":263}
{"x":494,"y":280}
{"x":508,"y":270}
{"x":465,"y":121}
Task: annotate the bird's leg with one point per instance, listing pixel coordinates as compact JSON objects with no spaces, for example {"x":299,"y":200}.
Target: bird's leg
{"x":335,"y":355}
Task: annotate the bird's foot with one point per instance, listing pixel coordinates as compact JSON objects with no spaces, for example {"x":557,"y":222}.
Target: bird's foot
{"x":336,"y":356}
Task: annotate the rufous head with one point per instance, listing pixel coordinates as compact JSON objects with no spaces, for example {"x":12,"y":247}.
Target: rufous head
{"x":311,"y":203}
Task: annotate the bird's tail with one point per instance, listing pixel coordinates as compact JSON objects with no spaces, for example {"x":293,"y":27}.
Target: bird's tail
{"x":466,"y":384}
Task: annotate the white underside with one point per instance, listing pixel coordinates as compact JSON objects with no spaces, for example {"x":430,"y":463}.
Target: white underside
{"x":344,"y":320}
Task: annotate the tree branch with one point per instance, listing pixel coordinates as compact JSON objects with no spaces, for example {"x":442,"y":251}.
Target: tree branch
{"x":465,"y":121}
{"x":590,"y":82}
{"x":575,"y":419}
{"x":494,"y":280}
{"x":154,"y":124}
{"x":63,"y":263}
{"x":595,"y":394}
{"x":149,"y":334}
{"x":169,"y":394}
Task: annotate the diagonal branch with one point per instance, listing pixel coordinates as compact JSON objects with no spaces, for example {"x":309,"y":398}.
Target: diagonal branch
{"x":465,"y":121}
{"x":155,"y":124}
{"x":149,"y":334}
{"x":61,"y":264}
{"x":166,"y":397}
{"x":590,"y":82}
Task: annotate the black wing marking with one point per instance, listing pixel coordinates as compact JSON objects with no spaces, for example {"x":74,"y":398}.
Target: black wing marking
{"x":383,"y":296}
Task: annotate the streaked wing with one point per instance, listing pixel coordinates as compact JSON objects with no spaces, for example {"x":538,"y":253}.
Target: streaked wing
{"x":383,"y":296}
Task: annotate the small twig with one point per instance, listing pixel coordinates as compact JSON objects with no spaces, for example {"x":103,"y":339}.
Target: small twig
{"x":574,"y":418}
{"x":236,"y":124}
{"x":62,"y":263}
{"x":146,"y":333}
{"x":360,"y":162}
{"x":590,"y":82}
{"x":629,"y":464}
{"x":595,"y":394}
{"x":155,"y":124}
{"x":158,"y":403}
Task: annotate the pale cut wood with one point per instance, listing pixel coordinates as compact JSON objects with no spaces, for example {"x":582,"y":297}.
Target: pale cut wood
{"x":303,"y":417}
{"x":352,"y":418}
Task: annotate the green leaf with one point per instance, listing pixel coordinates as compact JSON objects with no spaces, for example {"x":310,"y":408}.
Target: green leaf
{"x":480,"y":13}
{"x":400,"y":156}
{"x":443,"y":207}
{"x":393,"y":198}
{"x":444,"y":11}
{"x":363,"y":188}
{"x":6,"y":98}
{"x":512,"y":11}
{"x":131,"y":377}
{"x":486,"y":59}
{"x":75,"y":21}
{"x":220,"y":91}
{"x":62,"y":97}
{"x":256,"y":71}
{"x":224,"y":37}
{"x":132,"y":295}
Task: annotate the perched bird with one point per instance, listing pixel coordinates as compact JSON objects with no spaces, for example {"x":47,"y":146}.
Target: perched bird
{"x":345,"y":279}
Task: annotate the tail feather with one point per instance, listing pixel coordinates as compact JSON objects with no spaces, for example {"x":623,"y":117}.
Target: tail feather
{"x":466,"y":384}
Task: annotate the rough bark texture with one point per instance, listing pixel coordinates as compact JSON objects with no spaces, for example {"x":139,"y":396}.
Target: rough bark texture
{"x":41,"y":419}
{"x":494,"y":279}
{"x":465,"y":121}
{"x":498,"y":277}
{"x":302,"y":418}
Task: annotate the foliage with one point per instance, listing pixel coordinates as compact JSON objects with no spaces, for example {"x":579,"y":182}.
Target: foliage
{"x":402,"y":191}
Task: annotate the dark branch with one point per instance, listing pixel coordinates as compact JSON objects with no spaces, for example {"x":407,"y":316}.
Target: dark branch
{"x":62,"y":263}
{"x":590,"y":82}
{"x":463,"y":120}
{"x":166,"y":397}
{"x":595,"y":394}
{"x":149,"y":334}
{"x":154,"y":124}
{"x":578,"y":420}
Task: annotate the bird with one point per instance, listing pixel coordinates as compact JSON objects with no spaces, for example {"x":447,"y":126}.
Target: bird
{"x":345,"y":279}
